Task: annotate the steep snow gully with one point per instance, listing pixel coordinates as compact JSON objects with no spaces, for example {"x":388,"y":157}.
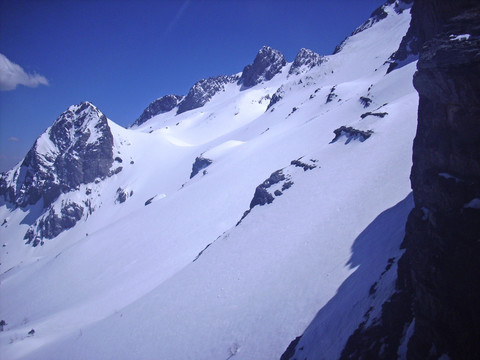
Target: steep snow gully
{"x":222,"y":224}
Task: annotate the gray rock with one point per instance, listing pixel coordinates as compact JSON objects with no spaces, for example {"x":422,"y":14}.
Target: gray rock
{"x":79,"y":152}
{"x":52,"y":224}
{"x":365,"y":101}
{"x":203,"y":91}
{"x":305,"y":60}
{"x":331,"y":95}
{"x":377,"y":114}
{"x":199,"y":164}
{"x":268,"y":63}
{"x":159,"y":106}
{"x":351,"y":134}
{"x":276,"y":97}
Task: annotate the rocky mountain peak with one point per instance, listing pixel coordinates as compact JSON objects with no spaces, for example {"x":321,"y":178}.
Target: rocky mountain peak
{"x":76,"y":149}
{"x":304,"y":61}
{"x":159,"y":106}
{"x":268,"y":63}
{"x":82,"y":122}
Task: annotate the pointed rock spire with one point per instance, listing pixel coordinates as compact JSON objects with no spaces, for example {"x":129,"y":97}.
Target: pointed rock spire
{"x":268,"y":63}
{"x":304,"y":61}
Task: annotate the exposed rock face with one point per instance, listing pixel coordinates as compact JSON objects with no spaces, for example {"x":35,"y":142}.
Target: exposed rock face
{"x":52,"y":224}
{"x":442,"y":242}
{"x":351,"y":134}
{"x":159,"y":106}
{"x":199,"y":164}
{"x":438,"y":288}
{"x":304,"y":61}
{"x":75,"y":150}
{"x":202,"y":91}
{"x":268,"y":63}
{"x":122,"y":195}
{"x":277,"y":183}
{"x":365,"y":101}
{"x":331,"y":95}
{"x":276,"y":97}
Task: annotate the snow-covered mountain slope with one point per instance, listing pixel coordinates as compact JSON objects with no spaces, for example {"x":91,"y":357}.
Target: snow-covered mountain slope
{"x":297,"y":204}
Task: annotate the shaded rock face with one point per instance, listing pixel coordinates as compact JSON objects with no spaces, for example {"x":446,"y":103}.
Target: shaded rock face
{"x":52,"y":224}
{"x":304,"y":61}
{"x":203,"y":91}
{"x":268,"y":63}
{"x":442,"y":243}
{"x":277,"y":183}
{"x":428,"y":19}
{"x":159,"y":106}
{"x":199,"y":164}
{"x":438,"y":287}
{"x":351,"y":134}
{"x":276,"y":97}
{"x":76,"y":149}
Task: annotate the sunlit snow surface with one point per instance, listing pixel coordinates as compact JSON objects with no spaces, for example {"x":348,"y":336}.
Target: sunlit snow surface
{"x":122,"y":284}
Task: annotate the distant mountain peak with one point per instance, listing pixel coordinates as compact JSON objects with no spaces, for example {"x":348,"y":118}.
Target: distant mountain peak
{"x":267,"y":63}
{"x":305,"y":60}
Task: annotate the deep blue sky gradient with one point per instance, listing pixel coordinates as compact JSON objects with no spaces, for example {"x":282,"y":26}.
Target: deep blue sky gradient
{"x":121,"y":55}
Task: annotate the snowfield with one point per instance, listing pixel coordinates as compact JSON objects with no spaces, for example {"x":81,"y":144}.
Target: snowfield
{"x":180,"y":278}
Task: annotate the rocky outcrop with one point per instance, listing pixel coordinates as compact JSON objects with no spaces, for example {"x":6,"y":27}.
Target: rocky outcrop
{"x":76,"y":149}
{"x":52,"y":223}
{"x":365,"y":101}
{"x":200,"y":163}
{"x":434,"y":312}
{"x":377,"y":114}
{"x":351,"y":134}
{"x":122,"y":195}
{"x":203,"y":91}
{"x":268,"y":63}
{"x":157,"y":107}
{"x":305,"y":60}
{"x":276,"y":97}
{"x":277,"y":183}
{"x":331,"y":95}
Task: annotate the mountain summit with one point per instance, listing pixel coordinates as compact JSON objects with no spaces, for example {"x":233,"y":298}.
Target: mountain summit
{"x":76,"y":149}
{"x":268,"y":63}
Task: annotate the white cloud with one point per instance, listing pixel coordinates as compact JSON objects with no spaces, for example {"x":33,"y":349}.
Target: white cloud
{"x":13,"y":138}
{"x":12,"y":75}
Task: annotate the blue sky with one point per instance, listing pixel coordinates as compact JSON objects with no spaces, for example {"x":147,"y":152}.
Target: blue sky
{"x":121,"y":55}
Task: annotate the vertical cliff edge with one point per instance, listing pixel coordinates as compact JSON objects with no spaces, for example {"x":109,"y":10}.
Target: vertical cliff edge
{"x":435,"y":312}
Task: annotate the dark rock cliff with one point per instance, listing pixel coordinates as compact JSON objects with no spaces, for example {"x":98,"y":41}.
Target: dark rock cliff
{"x":438,"y":288}
{"x":442,"y":243}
